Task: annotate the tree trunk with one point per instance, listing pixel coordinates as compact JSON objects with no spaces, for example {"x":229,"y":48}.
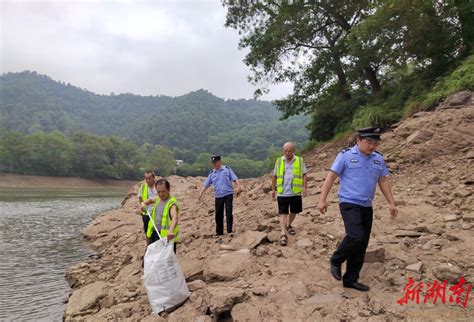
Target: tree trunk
{"x":340,"y":73}
{"x":341,"y":77}
{"x":371,"y":76}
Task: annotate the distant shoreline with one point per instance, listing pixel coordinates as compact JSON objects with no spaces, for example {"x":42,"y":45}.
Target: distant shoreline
{"x":28,"y":181}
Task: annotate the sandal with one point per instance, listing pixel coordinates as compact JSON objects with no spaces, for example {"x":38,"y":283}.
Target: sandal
{"x":291,"y":230}
{"x":283,"y":240}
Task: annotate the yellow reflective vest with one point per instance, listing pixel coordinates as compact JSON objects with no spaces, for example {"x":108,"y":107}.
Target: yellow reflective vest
{"x":297,"y":181}
{"x":165,"y":219}
{"x":144,"y":194}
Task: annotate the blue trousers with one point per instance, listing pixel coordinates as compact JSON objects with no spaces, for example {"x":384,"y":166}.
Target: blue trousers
{"x":358,"y":225}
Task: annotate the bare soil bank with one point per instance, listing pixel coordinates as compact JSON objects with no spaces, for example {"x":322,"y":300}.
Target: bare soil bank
{"x":252,"y":278}
{"x":26,"y":181}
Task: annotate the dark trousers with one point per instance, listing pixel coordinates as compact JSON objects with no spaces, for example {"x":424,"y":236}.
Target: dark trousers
{"x":145,"y":219}
{"x":221,"y":203}
{"x":358,"y":224}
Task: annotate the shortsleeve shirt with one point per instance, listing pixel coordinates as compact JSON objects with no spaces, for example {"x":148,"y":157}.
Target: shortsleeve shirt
{"x":222,"y":181}
{"x":288,"y":177}
{"x":152,"y":194}
{"x":359,"y":175}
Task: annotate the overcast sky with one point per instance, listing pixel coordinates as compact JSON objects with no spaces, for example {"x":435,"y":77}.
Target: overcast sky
{"x":140,"y":47}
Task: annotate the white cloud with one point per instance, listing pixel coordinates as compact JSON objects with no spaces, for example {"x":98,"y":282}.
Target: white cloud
{"x":148,"y":48}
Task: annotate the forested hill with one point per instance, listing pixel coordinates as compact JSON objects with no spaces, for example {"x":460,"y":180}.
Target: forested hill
{"x":193,"y":123}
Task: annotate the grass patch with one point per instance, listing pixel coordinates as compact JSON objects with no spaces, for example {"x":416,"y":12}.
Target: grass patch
{"x":462,"y":78}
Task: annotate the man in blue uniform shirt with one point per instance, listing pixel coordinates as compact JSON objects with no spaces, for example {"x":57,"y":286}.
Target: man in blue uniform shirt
{"x":360,"y":169}
{"x":222,"y":177}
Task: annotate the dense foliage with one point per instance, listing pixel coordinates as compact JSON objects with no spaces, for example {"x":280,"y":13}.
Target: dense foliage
{"x":196,"y":122}
{"x":353,"y":63}
{"x":119,"y":136}
{"x":92,"y":156}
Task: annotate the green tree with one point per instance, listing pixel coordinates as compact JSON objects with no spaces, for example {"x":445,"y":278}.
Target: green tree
{"x":13,"y":152}
{"x":90,"y":156}
{"x":341,"y":55}
{"x":49,"y":154}
{"x":159,"y":159}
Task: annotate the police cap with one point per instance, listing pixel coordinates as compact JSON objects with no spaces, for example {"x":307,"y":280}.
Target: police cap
{"x":370,"y":133}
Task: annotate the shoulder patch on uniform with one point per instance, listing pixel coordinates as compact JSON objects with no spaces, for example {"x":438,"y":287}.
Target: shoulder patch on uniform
{"x":378,"y":152}
{"x":211,"y":171}
{"x":345,"y":150}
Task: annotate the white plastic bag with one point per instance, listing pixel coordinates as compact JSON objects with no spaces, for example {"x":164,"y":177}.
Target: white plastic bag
{"x":164,"y":280}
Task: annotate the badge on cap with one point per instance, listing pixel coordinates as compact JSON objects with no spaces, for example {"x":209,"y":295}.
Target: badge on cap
{"x":370,"y":133}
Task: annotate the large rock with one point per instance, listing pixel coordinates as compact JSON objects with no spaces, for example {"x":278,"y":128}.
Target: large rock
{"x":374,"y":254}
{"x":246,"y":312}
{"x":433,"y":243}
{"x":226,"y":267}
{"x":457,"y":100}
{"x":416,"y":267}
{"x":86,"y":299}
{"x":192,"y":269}
{"x":304,"y":242}
{"x":224,"y":298}
{"x":450,"y":218}
{"x":447,"y":272}
{"x":250,"y":239}
{"x":260,"y":291}
{"x":196,"y":285}
{"x":299,"y":290}
{"x":120,"y":312}
{"x":468,"y":217}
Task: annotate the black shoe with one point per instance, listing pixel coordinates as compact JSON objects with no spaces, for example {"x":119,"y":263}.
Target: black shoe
{"x":336,"y":271}
{"x":358,"y":286}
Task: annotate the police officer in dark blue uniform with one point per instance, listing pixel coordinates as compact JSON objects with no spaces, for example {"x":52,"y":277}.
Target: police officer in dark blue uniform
{"x":222,"y":178}
{"x":359,"y":168}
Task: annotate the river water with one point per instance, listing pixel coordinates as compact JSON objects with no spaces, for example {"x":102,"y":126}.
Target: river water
{"x":40,"y":238}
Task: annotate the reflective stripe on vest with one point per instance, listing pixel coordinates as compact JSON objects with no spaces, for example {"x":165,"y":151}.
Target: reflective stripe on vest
{"x":297,"y":181}
{"x":165,"y":219}
{"x":144,"y":194}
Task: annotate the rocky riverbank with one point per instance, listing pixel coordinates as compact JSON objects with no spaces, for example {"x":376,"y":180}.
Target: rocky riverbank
{"x":251,"y":278}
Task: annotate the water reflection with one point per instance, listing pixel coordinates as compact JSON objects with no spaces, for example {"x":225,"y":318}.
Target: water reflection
{"x":40,"y":237}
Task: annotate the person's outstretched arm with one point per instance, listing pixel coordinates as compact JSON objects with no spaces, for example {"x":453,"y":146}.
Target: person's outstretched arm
{"x":202,"y":191}
{"x":207,"y":184}
{"x":237,"y":184}
{"x":274,"y":187}
{"x":174,"y":222}
{"x":327,"y":185}
{"x":387,"y":192}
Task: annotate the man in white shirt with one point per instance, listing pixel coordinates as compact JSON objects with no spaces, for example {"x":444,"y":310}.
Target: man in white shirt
{"x":290,"y":184}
